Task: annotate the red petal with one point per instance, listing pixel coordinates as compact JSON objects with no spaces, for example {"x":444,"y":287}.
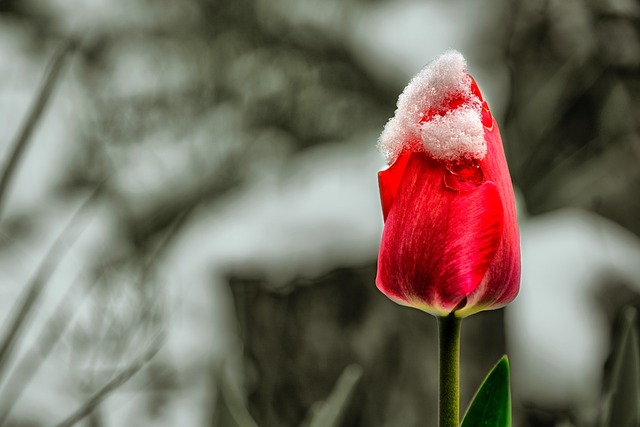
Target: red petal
{"x":437,"y":243}
{"x":389,"y":180}
{"x":502,"y":281}
{"x":474,"y":88}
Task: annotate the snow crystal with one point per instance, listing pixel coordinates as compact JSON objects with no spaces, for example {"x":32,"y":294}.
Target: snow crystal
{"x":459,"y":133}
{"x":450,"y":133}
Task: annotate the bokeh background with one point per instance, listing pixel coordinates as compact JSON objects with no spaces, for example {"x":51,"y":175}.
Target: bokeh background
{"x":188,"y":234}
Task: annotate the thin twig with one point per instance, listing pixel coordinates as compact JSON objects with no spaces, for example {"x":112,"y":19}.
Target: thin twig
{"x":57,"y":324}
{"x":23,"y":137}
{"x":30,"y":364}
{"x":33,"y":291}
{"x":112,"y":385}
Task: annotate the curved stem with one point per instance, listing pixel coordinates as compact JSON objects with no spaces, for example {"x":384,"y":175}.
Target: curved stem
{"x":448,"y":366}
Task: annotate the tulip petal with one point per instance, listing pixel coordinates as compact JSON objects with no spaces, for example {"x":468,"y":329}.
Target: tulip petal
{"x":389,"y":180}
{"x":502,"y":281}
{"x":437,"y":243}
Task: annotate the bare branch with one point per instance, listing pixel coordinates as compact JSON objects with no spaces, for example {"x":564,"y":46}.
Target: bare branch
{"x":89,"y":406}
{"x":33,"y":291}
{"x":22,"y":140}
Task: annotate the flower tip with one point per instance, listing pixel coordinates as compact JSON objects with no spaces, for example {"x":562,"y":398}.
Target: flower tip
{"x":439,"y":112}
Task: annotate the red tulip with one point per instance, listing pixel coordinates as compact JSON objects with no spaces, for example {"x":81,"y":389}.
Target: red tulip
{"x":450,"y":241}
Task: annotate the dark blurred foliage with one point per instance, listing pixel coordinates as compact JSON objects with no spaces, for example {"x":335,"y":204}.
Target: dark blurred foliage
{"x":277,"y":90}
{"x":572,"y":120}
{"x":571,"y":124}
{"x":280,"y":90}
{"x":298,"y":340}
{"x":254,"y":86}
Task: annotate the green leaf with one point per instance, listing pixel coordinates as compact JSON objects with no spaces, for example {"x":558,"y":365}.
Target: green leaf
{"x":623,"y":409}
{"x":491,"y":406}
{"x":330,"y":412}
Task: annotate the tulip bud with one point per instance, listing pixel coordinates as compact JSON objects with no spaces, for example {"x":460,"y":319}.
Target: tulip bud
{"x":450,"y":241}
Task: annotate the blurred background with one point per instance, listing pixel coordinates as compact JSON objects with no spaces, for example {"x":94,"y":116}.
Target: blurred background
{"x":190,"y":219}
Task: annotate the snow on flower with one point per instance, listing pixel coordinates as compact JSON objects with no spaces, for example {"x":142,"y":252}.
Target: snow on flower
{"x":438,"y":113}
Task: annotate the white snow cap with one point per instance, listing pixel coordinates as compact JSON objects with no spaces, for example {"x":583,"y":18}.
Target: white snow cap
{"x":449,"y":134}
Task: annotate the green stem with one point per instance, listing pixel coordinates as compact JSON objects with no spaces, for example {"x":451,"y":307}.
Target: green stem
{"x":449,"y":362}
